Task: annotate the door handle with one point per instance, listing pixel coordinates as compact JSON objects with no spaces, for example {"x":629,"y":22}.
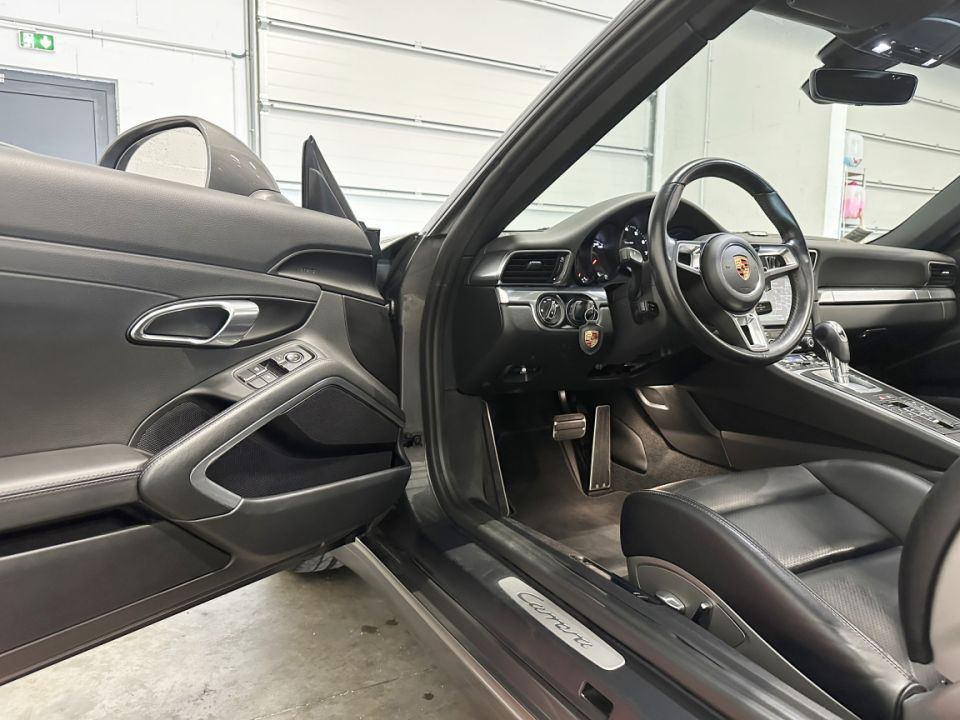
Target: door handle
{"x":239,"y":317}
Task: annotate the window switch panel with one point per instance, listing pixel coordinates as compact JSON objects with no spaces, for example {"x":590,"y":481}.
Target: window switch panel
{"x":266,"y":370}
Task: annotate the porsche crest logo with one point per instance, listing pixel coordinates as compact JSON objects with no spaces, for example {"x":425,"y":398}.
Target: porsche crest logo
{"x":742,"y":264}
{"x":591,"y":338}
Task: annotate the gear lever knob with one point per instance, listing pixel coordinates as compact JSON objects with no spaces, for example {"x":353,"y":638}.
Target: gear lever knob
{"x":833,"y":339}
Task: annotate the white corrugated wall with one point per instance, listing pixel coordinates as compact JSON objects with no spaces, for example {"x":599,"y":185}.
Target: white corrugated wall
{"x":404,"y":98}
{"x":173,"y":57}
{"x":912,"y":151}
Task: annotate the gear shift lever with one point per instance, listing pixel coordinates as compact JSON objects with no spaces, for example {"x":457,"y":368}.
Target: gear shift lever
{"x":833,"y":339}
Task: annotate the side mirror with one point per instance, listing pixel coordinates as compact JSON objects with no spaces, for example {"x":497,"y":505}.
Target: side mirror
{"x":178,"y":154}
{"x":851,"y":86}
{"x":192,"y":151}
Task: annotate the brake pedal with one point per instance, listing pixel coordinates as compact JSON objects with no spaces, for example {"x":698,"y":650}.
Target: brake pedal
{"x":600,"y":465}
{"x":571,"y":426}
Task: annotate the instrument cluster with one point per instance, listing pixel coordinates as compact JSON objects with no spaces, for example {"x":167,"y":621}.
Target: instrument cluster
{"x":598,"y":259}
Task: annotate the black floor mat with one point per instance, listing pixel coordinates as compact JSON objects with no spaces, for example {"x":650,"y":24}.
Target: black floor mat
{"x":545,"y":494}
{"x":665,"y":465}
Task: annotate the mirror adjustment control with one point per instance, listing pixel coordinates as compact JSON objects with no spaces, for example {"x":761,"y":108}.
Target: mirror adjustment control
{"x":292,"y":358}
{"x":267,"y":370}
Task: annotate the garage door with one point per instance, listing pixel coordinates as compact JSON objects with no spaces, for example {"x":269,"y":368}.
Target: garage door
{"x":404,"y":98}
{"x":909,"y":152}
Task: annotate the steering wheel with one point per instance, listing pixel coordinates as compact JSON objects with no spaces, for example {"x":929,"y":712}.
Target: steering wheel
{"x":712,"y":285}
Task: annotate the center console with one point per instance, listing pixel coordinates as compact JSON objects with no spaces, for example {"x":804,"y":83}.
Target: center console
{"x":866,"y":390}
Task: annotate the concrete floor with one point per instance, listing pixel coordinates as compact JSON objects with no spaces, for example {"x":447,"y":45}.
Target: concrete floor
{"x":290,"y":646}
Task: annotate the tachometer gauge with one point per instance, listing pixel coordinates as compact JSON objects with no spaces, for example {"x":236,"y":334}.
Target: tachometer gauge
{"x":634,"y":235}
{"x":598,"y":257}
{"x":583,"y":266}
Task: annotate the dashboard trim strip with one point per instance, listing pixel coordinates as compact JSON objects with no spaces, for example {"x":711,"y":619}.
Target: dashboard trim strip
{"x":529,"y":296}
{"x":857,"y":296}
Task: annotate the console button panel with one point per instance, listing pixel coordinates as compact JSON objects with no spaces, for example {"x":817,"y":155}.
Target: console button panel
{"x":812,"y":368}
{"x":919,"y":412}
{"x":264,"y":371}
{"x":803,"y":361}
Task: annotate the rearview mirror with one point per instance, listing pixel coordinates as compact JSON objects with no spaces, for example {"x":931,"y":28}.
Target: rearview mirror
{"x":850,"y":86}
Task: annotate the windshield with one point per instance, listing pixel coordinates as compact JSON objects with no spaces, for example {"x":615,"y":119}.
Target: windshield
{"x":845,"y":171}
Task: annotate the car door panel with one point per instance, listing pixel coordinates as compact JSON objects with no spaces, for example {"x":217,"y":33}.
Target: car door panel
{"x":40,"y":487}
{"x":54,"y":587}
{"x":90,"y":206}
{"x":139,"y":477}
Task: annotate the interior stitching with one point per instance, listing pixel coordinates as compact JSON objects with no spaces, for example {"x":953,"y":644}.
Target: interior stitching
{"x":73,"y":481}
{"x":816,"y":490}
{"x":786,"y":574}
{"x":50,"y":488}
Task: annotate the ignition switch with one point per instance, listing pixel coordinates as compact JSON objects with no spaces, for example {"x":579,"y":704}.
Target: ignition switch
{"x":582,"y":310}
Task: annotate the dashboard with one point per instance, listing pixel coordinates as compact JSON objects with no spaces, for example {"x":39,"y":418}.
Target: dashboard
{"x":597,"y":262}
{"x":527,"y":295}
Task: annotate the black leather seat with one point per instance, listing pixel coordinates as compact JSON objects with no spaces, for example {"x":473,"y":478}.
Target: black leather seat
{"x":809,"y":557}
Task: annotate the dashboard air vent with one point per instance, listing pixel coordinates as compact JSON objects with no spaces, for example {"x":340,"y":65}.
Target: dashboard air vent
{"x":942,"y":274}
{"x":534,"y":268}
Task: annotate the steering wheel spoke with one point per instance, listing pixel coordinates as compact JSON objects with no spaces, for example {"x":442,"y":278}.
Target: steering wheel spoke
{"x":742,"y":329}
{"x":687,"y":256}
{"x":778,"y":260}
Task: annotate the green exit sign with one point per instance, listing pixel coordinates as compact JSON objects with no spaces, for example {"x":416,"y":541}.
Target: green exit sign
{"x":36,"y":41}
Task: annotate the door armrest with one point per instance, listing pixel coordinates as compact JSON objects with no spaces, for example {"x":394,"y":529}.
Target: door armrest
{"x":45,"y":486}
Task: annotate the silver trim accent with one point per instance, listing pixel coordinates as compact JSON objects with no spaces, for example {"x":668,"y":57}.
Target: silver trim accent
{"x":564,"y":626}
{"x":693,"y":249}
{"x":241,"y":315}
{"x":751,"y":331}
{"x":855,"y":296}
{"x":601,"y":470}
{"x":671,"y":601}
{"x":530,"y":298}
{"x":762,"y":249}
{"x":854,"y":383}
{"x":790,"y":262}
{"x":556,"y":314}
{"x":523,"y":296}
{"x":571,"y":426}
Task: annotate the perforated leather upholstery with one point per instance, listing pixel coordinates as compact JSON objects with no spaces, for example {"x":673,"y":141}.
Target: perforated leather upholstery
{"x":809,"y":557}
